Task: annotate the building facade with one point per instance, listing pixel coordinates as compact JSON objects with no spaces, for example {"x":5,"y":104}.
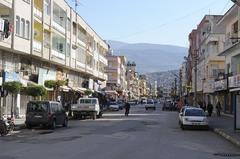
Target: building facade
{"x":49,"y":41}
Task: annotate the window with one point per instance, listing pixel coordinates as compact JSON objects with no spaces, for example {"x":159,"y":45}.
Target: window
{"x":74,"y":28}
{"x":59,"y":15}
{"x":18,"y":25}
{"x":27,"y":35}
{"x":59,"y":43}
{"x":235,"y":27}
{"x":22,"y":26}
{"x":47,"y":7}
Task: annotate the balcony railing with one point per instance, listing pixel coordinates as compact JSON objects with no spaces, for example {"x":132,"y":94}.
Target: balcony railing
{"x":231,"y":40}
{"x":37,"y":46}
{"x":37,"y":12}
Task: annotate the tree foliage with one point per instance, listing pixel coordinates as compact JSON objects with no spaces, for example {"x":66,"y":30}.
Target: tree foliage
{"x":88,"y":92}
{"x":36,"y":90}
{"x":54,"y":84}
{"x":12,"y":87}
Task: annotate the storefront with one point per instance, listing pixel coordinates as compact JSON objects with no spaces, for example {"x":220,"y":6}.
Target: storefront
{"x":221,"y":92}
{"x":234,"y":88}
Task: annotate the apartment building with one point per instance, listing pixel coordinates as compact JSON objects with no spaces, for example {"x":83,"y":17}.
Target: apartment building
{"x":205,"y":44}
{"x":48,"y":40}
{"x":116,"y":70}
{"x":143,"y":85}
{"x":230,"y":81}
{"x":132,"y":81}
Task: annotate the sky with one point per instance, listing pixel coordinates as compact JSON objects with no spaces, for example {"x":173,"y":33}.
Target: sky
{"x":148,"y":21}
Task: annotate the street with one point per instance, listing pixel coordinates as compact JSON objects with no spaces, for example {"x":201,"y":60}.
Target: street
{"x":142,"y":135}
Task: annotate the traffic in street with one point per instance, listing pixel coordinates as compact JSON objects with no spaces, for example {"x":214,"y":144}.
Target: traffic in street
{"x":143,"y":134}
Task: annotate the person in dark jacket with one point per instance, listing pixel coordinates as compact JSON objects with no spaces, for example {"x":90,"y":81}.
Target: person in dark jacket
{"x":210,"y":109}
{"x":127,"y":108}
{"x":218,"y":108}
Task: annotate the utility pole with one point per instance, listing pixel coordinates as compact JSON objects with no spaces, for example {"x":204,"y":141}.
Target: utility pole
{"x":195,"y":75}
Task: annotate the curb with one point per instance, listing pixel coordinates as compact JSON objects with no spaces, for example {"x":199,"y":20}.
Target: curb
{"x":226,"y":136}
{"x":19,"y":127}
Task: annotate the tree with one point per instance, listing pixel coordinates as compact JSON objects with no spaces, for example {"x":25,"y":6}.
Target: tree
{"x":55,"y":85}
{"x":36,"y":91}
{"x":88,"y":92}
{"x":14,"y":88}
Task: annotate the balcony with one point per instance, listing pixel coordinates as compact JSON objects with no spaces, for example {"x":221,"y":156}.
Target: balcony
{"x":103,"y":59}
{"x":37,"y":46}
{"x":231,"y":40}
{"x":58,"y":54}
{"x":58,"y":27}
{"x":6,"y":3}
{"x":37,"y":13}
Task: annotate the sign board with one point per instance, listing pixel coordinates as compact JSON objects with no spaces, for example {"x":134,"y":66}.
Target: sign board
{"x":46,"y":74}
{"x":220,"y":85}
{"x":234,"y":81}
{"x":11,"y":76}
{"x":237,"y":113}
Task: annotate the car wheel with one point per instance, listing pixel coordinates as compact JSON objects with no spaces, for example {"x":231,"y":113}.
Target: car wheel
{"x":182,"y":127}
{"x":29,"y":126}
{"x":65,"y":123}
{"x":94,"y":115}
{"x":53,"y":125}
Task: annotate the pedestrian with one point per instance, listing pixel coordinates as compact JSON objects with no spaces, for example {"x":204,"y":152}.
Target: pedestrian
{"x":218,"y":108}
{"x":204,"y":106}
{"x":127,"y":108}
{"x":210,"y":109}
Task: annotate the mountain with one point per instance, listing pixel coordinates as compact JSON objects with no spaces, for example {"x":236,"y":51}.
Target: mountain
{"x":150,"y":57}
{"x":165,"y":79}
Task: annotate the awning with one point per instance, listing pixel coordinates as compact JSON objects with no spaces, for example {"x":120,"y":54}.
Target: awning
{"x":65,"y":88}
{"x":235,"y":90}
{"x":111,"y":92}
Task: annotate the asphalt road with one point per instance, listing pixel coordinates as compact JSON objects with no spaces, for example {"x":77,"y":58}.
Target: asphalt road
{"x":142,"y":135}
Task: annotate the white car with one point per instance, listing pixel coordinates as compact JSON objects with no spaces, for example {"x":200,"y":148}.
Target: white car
{"x":114,"y":106}
{"x":150,"y":104}
{"x":192,"y":116}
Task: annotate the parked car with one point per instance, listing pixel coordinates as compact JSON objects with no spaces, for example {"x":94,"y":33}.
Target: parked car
{"x":86,"y":107}
{"x":113,"y":106}
{"x":45,"y":113}
{"x":150,"y":104}
{"x":192,"y":117}
{"x":120,"y":104}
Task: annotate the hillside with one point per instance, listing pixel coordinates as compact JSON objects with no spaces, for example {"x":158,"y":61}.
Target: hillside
{"x":151,"y":57}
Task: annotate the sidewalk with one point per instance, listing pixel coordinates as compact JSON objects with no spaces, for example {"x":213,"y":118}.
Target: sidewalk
{"x":224,"y":126}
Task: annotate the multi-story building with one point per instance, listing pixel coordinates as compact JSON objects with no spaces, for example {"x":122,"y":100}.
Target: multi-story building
{"x":205,"y":43}
{"x":48,"y":40}
{"x":116,"y":70}
{"x":230,"y":81}
{"x":132,"y":81}
{"x":143,"y":85}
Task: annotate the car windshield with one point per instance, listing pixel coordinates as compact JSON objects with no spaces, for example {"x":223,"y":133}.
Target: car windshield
{"x":149,"y":102}
{"x":113,"y":103}
{"x":194,"y":112}
{"x":37,"y":107}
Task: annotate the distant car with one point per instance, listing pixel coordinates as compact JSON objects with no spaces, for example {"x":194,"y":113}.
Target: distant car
{"x":167,"y":105}
{"x":150,"y":104}
{"x":114,"y":106}
{"x":192,"y":117}
{"x":45,"y":113}
{"x":144,"y":101}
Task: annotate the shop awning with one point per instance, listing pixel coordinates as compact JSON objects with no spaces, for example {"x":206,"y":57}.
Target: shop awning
{"x":235,"y":90}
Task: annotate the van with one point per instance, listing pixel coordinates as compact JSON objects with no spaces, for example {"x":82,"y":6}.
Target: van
{"x":86,"y":107}
{"x":45,"y":113}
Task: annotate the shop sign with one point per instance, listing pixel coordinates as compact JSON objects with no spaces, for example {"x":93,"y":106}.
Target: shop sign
{"x":234,"y":81}
{"x":11,"y":76}
{"x":220,"y":85}
{"x":208,"y":86}
{"x":46,"y":74}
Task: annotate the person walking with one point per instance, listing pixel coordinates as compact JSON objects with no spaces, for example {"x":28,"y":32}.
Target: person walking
{"x":127,"y":108}
{"x":204,"y":106}
{"x":218,"y":108}
{"x":209,"y":109}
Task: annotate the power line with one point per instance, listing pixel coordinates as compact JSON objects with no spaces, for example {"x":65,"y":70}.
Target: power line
{"x":228,"y":2}
{"x":167,"y":23}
